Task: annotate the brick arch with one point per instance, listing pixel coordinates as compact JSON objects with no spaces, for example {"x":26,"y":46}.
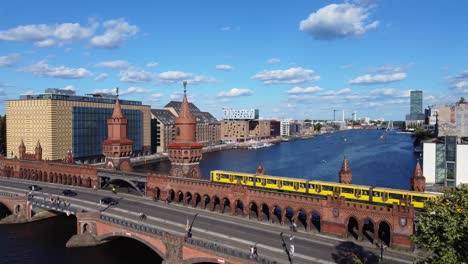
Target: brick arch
{"x":265,"y":210}
{"x":274,"y":214}
{"x":8,"y":206}
{"x":214,"y":202}
{"x":225,"y":201}
{"x":197,"y":200}
{"x":206,"y":199}
{"x":179,"y":196}
{"x":160,"y":249}
{"x":188,"y":197}
{"x":368,"y":227}
{"x":302,"y":219}
{"x":200,"y":260}
{"x":388,"y":241}
{"x":347,"y":226}
{"x":253,"y":207}
{"x":315,"y":220}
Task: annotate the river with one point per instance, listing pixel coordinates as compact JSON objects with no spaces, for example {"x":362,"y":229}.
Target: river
{"x":387,"y":162}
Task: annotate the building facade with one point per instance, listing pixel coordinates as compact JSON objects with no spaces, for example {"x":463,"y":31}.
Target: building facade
{"x":416,"y":116}
{"x":208,"y":128}
{"x":163,"y":130}
{"x":285,"y":126}
{"x":445,"y":161}
{"x":240,"y":114}
{"x":244,"y":130}
{"x":275,"y":128}
{"x":63,"y":121}
{"x":453,"y":120}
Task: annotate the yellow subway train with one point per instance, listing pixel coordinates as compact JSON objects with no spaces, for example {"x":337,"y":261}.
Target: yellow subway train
{"x":349,"y":191}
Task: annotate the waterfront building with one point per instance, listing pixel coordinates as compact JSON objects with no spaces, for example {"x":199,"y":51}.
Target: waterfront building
{"x":162,"y":130}
{"x":416,"y":116}
{"x":275,"y":128}
{"x":431,"y":113}
{"x":243,"y":130}
{"x":61,"y":120}
{"x":445,"y":161}
{"x":285,"y":126}
{"x":295,"y":128}
{"x":453,"y":120}
{"x":240,"y":114}
{"x":208,"y":128}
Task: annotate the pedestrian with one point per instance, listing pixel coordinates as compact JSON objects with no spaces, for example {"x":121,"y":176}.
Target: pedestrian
{"x":255,"y":251}
{"x":252,"y":250}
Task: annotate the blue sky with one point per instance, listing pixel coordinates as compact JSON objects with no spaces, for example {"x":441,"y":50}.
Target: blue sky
{"x":290,"y":59}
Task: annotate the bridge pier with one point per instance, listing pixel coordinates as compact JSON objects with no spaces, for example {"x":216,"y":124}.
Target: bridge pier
{"x":86,"y":231}
{"x":19,"y":207}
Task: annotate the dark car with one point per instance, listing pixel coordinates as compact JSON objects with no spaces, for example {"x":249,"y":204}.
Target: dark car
{"x":69,"y":193}
{"x":35,"y":188}
{"x":108,"y":201}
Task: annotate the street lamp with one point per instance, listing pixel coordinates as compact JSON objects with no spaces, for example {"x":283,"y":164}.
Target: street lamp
{"x":290,"y":251}
{"x":188,"y":227}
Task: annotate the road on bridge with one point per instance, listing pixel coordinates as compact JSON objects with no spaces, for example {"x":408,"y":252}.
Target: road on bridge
{"x":223,"y":229}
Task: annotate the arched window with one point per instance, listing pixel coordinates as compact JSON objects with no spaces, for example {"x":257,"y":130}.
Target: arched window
{"x":178,"y":131}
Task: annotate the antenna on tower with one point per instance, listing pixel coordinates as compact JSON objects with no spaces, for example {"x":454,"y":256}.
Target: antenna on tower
{"x":117,"y":91}
{"x":185,"y":86}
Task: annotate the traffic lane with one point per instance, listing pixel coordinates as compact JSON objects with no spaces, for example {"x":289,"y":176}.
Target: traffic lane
{"x":232,"y":229}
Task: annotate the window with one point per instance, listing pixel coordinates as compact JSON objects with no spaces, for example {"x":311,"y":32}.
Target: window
{"x":327,"y":188}
{"x":178,"y":131}
{"x":271,"y":181}
{"x":396,"y":196}
{"x":376,"y":194}
{"x":347,"y":190}
{"x":287,"y":183}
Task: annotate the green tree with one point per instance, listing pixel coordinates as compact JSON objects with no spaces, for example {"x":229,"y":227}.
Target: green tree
{"x":443,"y":228}
{"x":317,"y":127}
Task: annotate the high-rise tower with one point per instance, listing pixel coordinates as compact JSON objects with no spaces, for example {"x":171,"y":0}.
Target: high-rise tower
{"x":117,"y":147}
{"x":185,"y":153}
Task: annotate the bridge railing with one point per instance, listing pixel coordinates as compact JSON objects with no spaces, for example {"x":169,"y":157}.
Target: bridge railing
{"x":7,"y":194}
{"x":195,"y":242}
{"x":49,"y":205}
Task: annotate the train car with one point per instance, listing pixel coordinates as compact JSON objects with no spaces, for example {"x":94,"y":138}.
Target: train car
{"x":349,"y":191}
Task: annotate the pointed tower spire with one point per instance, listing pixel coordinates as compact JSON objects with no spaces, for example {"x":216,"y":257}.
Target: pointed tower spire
{"x":418,"y":182}
{"x":117,"y":109}
{"x":21,"y":150}
{"x":185,"y":108}
{"x":345,"y":174}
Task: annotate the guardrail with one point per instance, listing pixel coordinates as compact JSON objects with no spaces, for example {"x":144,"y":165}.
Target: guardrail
{"x":53,"y":206}
{"x":195,"y":242}
{"x":7,"y":194}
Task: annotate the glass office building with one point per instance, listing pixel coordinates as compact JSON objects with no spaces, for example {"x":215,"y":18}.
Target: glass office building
{"x":416,"y":102}
{"x":89,"y":130}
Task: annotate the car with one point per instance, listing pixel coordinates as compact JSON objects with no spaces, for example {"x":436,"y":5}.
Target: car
{"x":35,"y":187}
{"x":69,"y":193}
{"x":108,"y":201}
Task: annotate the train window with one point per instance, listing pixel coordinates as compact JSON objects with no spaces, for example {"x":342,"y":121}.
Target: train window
{"x":302,"y":185}
{"x":287,"y":183}
{"x":259,"y":180}
{"x":419,"y":199}
{"x":250,"y":179}
{"x":311,"y":186}
{"x":396,"y":196}
{"x":327,"y":188}
{"x":239,"y":178}
{"x":375,"y":194}
{"x":224,"y":176}
{"x":346,"y":190}
{"x":364,"y":192}
{"x":271,"y":181}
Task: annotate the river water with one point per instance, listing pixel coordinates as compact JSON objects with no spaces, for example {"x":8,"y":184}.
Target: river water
{"x":387,"y":162}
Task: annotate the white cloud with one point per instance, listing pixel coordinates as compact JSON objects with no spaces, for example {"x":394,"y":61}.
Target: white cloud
{"x":116,"y":64}
{"x":224,"y":67}
{"x":226,"y":28}
{"x":459,"y":81}
{"x":42,"y":69}
{"x":299,"y":90}
{"x":133,"y":75}
{"x":339,"y":92}
{"x":155,"y":97}
{"x":69,"y":88}
{"x":9,"y":60}
{"x":273,"y":60}
{"x":171,"y":77}
{"x":235,"y":92}
{"x":390,"y":92}
{"x":347,"y":66}
{"x":44,"y":35}
{"x":393,"y":68}
{"x":132,"y":90}
{"x":101,"y":77}
{"x":289,"y":76}
{"x":338,"y":21}
{"x":178,"y":96}
{"x":116,"y":32}
{"x":378,"y":78}
{"x":152,"y":64}
{"x":106,"y":91}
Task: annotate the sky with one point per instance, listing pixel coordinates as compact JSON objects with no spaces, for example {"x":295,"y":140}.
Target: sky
{"x":289,"y":59}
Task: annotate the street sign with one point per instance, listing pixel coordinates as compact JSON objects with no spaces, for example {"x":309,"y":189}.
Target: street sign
{"x":221,"y":260}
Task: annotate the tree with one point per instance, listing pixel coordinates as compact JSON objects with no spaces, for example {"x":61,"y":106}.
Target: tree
{"x":317,"y":127}
{"x":443,"y":228}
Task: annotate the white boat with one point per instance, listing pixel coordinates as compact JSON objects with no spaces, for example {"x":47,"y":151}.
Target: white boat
{"x":260,"y":145}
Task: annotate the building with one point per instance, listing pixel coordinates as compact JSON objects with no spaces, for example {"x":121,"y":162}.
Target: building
{"x":208,"y":128}
{"x":453,"y":120}
{"x":416,"y":116}
{"x":240,"y":114}
{"x":275,"y":128}
{"x":431,"y":113}
{"x":61,"y":120}
{"x":162,"y":129}
{"x":295,"y":128}
{"x":445,"y":161}
{"x":243,"y":130}
{"x":285,"y":126}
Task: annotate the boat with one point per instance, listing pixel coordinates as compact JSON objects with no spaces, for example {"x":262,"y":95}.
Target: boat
{"x":260,"y":145}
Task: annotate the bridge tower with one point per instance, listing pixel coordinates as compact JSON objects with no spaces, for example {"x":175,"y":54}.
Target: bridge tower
{"x":21,"y":150}
{"x":418,"y":182}
{"x":38,"y":151}
{"x":117,"y":147}
{"x":345,"y":173}
{"x":185,"y":153}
